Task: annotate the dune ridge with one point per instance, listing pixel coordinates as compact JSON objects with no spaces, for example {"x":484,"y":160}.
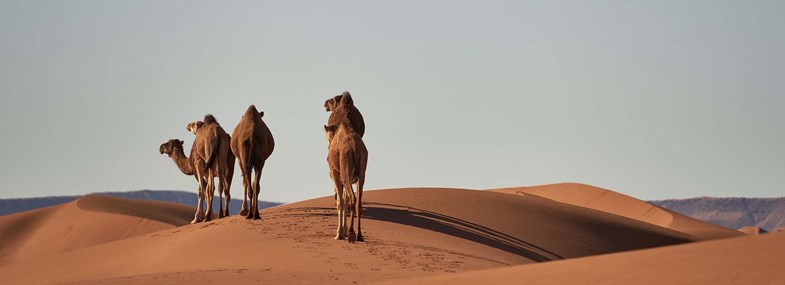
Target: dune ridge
{"x":608,"y":201}
{"x":88,"y":221}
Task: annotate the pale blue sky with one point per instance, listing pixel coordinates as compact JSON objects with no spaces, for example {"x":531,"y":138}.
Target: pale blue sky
{"x":655,"y":99}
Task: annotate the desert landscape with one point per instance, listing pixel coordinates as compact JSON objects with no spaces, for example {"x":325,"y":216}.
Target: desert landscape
{"x":392,"y":142}
{"x":551,"y":234}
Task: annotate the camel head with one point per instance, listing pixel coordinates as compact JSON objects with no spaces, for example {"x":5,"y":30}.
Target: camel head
{"x":329,"y":132}
{"x":194,"y":126}
{"x":171,"y":146}
{"x":334,"y":102}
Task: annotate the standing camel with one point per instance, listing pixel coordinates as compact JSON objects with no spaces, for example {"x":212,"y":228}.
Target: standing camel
{"x":252,"y":143}
{"x":224,"y":163}
{"x":204,"y":153}
{"x":331,"y":105}
{"x":174,"y":149}
{"x":347,"y":158}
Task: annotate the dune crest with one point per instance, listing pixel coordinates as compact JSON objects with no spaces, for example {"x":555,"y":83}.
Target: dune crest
{"x":86,"y":222}
{"x":753,"y":230}
{"x":608,"y":201}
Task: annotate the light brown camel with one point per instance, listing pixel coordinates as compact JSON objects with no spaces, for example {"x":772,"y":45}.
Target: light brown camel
{"x":174,"y":149}
{"x":331,"y":105}
{"x":224,"y":164}
{"x":347,"y":158}
{"x":338,"y":114}
{"x":252,"y":143}
{"x":204,"y":153}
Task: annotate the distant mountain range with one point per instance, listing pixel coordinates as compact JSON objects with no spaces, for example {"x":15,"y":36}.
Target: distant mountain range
{"x":734,"y":213}
{"x":10,"y":206}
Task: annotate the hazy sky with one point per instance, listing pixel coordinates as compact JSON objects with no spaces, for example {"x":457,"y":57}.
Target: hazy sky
{"x":654,"y":99}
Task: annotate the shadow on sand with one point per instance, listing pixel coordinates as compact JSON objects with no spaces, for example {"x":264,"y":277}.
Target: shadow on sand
{"x":446,"y":225}
{"x":458,"y":228}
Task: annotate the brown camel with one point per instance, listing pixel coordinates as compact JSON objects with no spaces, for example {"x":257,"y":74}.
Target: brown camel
{"x":347,"y":158}
{"x":331,"y":105}
{"x":224,"y":163}
{"x":204,"y":153}
{"x":252,"y":143}
{"x":174,"y":149}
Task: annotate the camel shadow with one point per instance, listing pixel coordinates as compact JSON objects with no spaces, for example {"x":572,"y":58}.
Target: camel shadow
{"x":458,"y":228}
{"x":441,"y":223}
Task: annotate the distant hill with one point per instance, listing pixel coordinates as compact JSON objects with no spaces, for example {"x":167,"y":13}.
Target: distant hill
{"x":10,"y":206}
{"x":734,"y":213}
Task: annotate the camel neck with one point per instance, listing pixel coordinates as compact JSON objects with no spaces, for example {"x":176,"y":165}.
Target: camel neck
{"x":183,"y":162}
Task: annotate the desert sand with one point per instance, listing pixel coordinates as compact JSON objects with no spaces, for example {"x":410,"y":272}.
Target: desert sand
{"x":747,"y":260}
{"x":86,"y":222}
{"x":413,"y":235}
{"x":753,"y":230}
{"x":608,"y":201}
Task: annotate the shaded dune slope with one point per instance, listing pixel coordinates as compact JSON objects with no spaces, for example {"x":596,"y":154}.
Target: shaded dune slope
{"x":410,"y":232}
{"x":619,"y":204}
{"x":744,"y":260}
{"x":166,"y":212}
{"x":88,"y":221}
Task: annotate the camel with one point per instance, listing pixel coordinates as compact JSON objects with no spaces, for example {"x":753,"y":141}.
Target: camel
{"x":252,"y":143}
{"x":331,"y":105}
{"x":204,"y":153}
{"x":174,"y":149}
{"x":224,"y":164}
{"x":347,"y":158}
{"x":355,"y":117}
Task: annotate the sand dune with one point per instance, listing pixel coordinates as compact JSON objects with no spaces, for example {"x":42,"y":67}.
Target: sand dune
{"x":409,"y":232}
{"x":752,"y":230}
{"x":86,"y":222}
{"x":619,"y":204}
{"x":746,"y":260}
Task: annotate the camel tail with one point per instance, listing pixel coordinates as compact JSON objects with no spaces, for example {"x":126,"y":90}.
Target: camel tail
{"x":362,"y":164}
{"x":250,"y":151}
{"x":348,"y":168}
{"x":213,"y":154}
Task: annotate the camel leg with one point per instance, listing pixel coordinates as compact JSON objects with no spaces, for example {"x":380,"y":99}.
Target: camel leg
{"x":208,"y":216}
{"x":244,"y":209}
{"x":227,"y":196}
{"x":200,"y":199}
{"x":244,"y":172}
{"x":255,"y":201}
{"x":340,"y":207}
{"x":248,"y":191}
{"x":251,"y":195}
{"x":359,"y":206}
{"x":220,"y":198}
{"x":342,"y":214}
{"x":352,"y":202}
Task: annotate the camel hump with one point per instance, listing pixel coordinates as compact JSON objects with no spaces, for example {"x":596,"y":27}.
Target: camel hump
{"x":251,"y":110}
{"x":346,"y":98}
{"x":210,"y":119}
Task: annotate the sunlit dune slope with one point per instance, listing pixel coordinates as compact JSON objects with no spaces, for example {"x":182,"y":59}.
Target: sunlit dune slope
{"x":619,"y":204}
{"x":746,"y":260}
{"x":86,"y":222}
